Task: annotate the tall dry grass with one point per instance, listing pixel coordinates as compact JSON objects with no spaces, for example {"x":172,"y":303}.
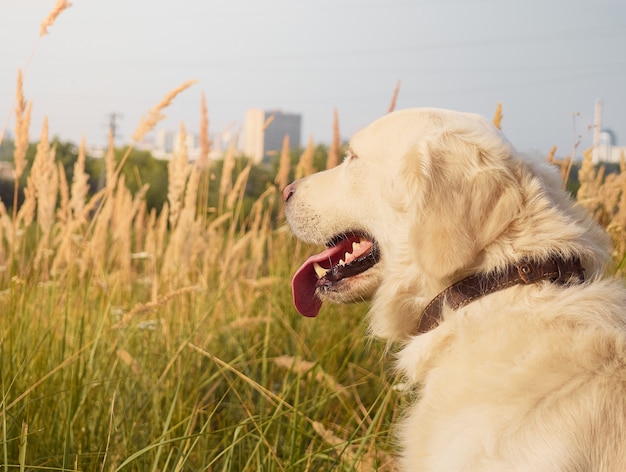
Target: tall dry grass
{"x":604,"y":196}
{"x":137,"y":340}
{"x":59,"y":7}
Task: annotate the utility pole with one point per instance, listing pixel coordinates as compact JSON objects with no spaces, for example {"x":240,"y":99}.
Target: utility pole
{"x":113,"y":124}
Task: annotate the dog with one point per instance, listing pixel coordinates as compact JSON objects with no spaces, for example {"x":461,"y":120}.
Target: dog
{"x":491,"y":281}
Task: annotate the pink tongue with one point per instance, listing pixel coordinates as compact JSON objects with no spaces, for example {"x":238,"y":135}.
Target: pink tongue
{"x":304,"y":282}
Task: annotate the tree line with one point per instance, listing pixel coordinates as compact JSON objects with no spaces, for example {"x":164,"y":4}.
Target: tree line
{"x":141,"y":168}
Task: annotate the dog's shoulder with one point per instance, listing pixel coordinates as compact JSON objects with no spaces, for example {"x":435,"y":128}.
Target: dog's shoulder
{"x":539,"y":371}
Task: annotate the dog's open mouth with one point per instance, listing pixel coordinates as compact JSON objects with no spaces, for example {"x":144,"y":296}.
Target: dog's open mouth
{"x":348,"y":255}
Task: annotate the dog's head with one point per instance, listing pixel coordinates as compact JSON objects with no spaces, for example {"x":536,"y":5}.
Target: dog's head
{"x":423,"y":197}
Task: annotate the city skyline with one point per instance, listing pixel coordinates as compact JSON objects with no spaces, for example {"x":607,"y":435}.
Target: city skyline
{"x":547,"y":62}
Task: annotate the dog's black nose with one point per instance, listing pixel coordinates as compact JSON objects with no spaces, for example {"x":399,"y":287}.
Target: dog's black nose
{"x":288,"y":191}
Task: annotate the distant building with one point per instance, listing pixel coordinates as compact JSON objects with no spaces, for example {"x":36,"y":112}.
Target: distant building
{"x":169,"y":142}
{"x":221,"y":141}
{"x":606,"y":149}
{"x":261,"y":144}
{"x":165,"y":142}
{"x":6,"y":171}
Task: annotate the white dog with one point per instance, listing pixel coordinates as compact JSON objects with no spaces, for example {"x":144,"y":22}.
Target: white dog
{"x":492,"y":280}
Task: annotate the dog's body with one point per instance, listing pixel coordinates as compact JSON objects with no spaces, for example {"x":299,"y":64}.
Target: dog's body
{"x":526,"y":378}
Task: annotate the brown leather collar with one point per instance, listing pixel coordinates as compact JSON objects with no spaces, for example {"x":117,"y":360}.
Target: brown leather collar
{"x":556,"y":270}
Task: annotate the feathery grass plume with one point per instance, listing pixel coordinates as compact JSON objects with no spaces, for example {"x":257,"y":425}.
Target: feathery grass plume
{"x":565,"y":166}
{"x":335,"y":145}
{"x":149,"y":247}
{"x":64,"y":245}
{"x":150,"y":239}
{"x":264,"y":202}
{"x":617,"y":227}
{"x":497,"y":117}
{"x":109,"y":163}
{"x":5,"y":222}
{"x":239,"y":188}
{"x":599,"y":193}
{"x":125,"y":209}
{"x":237,"y":251}
{"x":120,"y":231}
{"x":305,"y":165}
{"x":22,"y":124}
{"x":44,"y":174}
{"x":177,"y":172}
{"x":154,"y":115}
{"x":149,"y":121}
{"x":185,"y":240}
{"x":94,"y":200}
{"x":46,"y":180}
{"x":260,"y":227}
{"x":64,"y":213}
{"x":26,"y":213}
{"x":52,"y":16}
{"x":205,"y":143}
{"x":604,"y":196}
{"x":80,"y":185}
{"x":589,"y":184}
{"x":189,"y":209}
{"x":284,"y":166}
{"x":140,"y":225}
{"x":95,"y":255}
{"x":203,"y":162}
{"x":226,"y":180}
{"x":161,"y":232}
{"x":235,"y":256}
{"x":187,"y":223}
{"x":394,"y":98}
{"x":6,"y":232}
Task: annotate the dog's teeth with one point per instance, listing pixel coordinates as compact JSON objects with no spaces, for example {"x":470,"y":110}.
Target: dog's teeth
{"x":355,"y":246}
{"x":341,"y":262}
{"x":319,"y":270}
{"x":346,"y":255}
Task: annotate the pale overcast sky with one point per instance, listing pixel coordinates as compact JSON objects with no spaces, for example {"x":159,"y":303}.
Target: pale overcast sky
{"x":543,"y":59}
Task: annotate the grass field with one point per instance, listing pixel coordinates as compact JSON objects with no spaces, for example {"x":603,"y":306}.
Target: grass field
{"x":136,"y":341}
{"x":218,"y":375}
{"x":142,"y":342}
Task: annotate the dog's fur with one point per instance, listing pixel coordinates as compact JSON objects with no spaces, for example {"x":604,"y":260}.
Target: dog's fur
{"x":530,"y":378}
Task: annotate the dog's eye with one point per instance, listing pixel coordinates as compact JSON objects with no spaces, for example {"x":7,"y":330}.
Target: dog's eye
{"x":350,"y":156}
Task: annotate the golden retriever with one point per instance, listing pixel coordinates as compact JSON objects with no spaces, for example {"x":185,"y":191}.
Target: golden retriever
{"x":491,"y":280}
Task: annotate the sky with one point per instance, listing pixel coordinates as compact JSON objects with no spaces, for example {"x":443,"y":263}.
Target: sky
{"x":547,"y":61}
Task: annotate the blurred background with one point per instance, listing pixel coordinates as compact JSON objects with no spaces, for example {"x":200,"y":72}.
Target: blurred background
{"x":105,"y":63}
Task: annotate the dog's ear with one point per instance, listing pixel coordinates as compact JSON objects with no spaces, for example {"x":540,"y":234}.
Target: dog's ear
{"x":468,"y":196}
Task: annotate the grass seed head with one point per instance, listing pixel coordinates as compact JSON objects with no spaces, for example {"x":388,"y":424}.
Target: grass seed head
{"x":154,"y":115}
{"x":59,"y":7}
